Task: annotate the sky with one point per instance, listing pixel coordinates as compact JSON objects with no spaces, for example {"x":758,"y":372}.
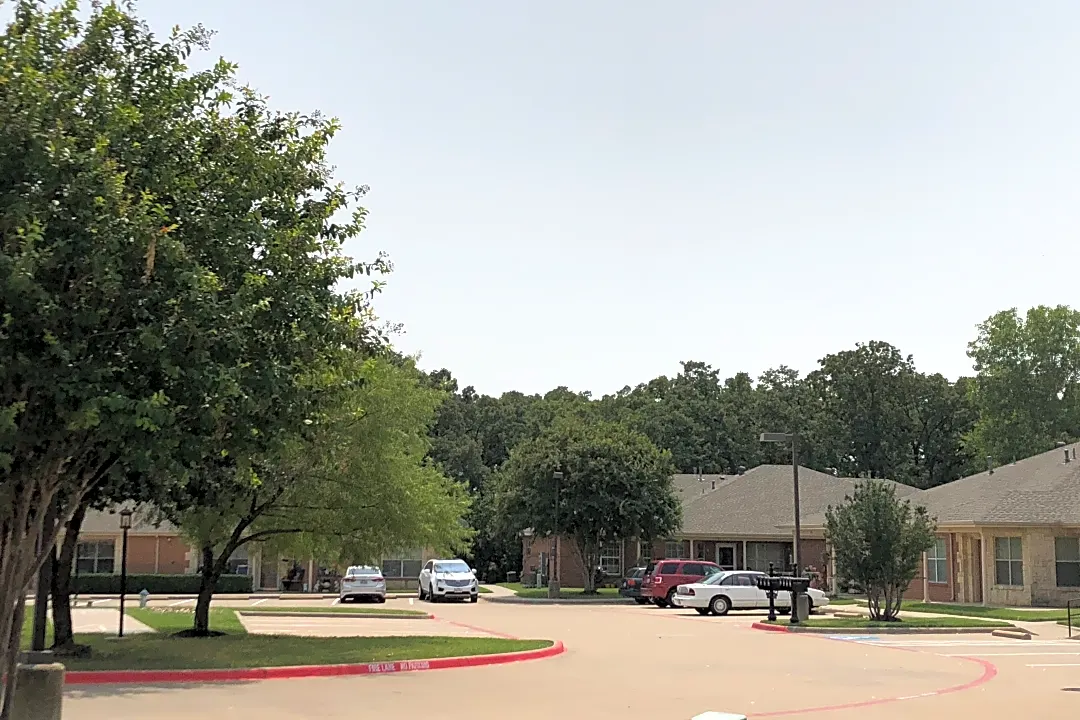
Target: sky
{"x":585,"y":193}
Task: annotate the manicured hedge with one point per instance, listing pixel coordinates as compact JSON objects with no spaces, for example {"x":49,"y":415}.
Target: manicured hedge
{"x":156,"y":584}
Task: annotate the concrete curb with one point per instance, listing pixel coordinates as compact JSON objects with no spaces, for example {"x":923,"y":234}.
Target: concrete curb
{"x":368,"y":616}
{"x":515,"y":600}
{"x":877,"y":630}
{"x":138,"y":677}
{"x":1012,"y":633}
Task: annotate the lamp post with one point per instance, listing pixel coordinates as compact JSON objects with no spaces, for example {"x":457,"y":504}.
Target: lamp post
{"x":553,"y":581}
{"x":792,"y":438}
{"x":125,"y":525}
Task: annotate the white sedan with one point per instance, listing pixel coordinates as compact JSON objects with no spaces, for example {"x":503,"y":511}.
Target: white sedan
{"x":736,"y":590}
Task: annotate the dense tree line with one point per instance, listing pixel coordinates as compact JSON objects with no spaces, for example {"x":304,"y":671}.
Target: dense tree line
{"x":865,"y":412}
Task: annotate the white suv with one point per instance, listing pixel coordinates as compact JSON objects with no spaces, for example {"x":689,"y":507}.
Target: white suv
{"x":444,"y":579}
{"x":363,"y":581}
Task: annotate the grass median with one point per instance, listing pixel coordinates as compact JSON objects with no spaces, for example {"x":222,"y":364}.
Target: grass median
{"x":980,"y":611}
{"x":910,"y":622}
{"x":571,"y":593}
{"x":162,"y":650}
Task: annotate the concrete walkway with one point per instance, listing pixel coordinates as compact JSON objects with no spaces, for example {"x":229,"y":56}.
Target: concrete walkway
{"x":104,"y":621}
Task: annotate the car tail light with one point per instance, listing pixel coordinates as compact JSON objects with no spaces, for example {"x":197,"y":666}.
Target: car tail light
{"x":378,"y":579}
{"x":657,"y":579}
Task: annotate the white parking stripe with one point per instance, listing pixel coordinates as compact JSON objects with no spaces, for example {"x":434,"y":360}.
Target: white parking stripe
{"x":336,"y":601}
{"x":1006,"y":654}
{"x":259,"y":602}
{"x":182,"y":602}
{"x":1055,"y":665}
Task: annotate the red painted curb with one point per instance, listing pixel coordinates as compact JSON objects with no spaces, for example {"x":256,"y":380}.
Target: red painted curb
{"x":770,"y":628}
{"x":136,"y":677}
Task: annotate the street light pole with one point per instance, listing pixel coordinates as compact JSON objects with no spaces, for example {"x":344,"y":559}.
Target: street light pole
{"x":554,"y":585}
{"x":792,"y":438}
{"x":125,"y":525}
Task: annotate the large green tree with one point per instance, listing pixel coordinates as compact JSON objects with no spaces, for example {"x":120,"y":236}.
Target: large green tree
{"x":169,"y":264}
{"x":615,"y":484}
{"x":351,"y":486}
{"x":1027,"y":382}
{"x":877,"y":540}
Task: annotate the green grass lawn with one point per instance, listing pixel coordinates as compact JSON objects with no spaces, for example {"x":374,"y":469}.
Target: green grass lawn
{"x":28,"y":631}
{"x":337,"y":610}
{"x":842,"y":601}
{"x":162,"y":652}
{"x":915,"y":622}
{"x":525,"y":592}
{"x":172,"y":620}
{"x":1013,"y":614}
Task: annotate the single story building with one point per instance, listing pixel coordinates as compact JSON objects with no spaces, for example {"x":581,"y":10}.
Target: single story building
{"x":1007,"y":536}
{"x":740,"y":522}
{"x":160,"y":549}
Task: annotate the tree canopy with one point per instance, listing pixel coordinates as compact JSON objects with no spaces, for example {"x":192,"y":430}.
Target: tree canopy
{"x":614,"y":484}
{"x":878,"y":540}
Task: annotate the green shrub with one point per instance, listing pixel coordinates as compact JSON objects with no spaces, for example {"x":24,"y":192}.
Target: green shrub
{"x":156,"y":584}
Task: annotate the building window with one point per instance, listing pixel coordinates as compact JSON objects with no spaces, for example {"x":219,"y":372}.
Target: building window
{"x":677,"y":549}
{"x":95,"y":557}
{"x":406,"y":567}
{"x":645,"y":552}
{"x":1067,"y":561}
{"x":238,"y":562}
{"x":937,"y":562}
{"x":611,"y":558}
{"x":759,"y":555}
{"x":1009,"y":561}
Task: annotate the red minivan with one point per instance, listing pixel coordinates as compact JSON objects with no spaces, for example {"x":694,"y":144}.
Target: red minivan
{"x":663,"y":576}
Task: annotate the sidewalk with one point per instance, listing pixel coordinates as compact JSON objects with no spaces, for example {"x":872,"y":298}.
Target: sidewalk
{"x":104,"y":621}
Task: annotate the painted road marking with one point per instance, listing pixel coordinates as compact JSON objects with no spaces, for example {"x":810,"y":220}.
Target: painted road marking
{"x":335,"y":602}
{"x":182,"y":602}
{"x":1007,"y":654}
{"x":975,"y":643}
{"x":259,"y":602}
{"x":1055,"y":665}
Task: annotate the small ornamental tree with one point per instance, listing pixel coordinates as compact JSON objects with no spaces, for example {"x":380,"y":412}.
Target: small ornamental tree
{"x":878,"y":540}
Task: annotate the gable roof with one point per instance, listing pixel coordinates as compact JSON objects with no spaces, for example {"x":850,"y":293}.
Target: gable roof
{"x":690,"y":487}
{"x":1039,"y":490}
{"x":761,"y":503}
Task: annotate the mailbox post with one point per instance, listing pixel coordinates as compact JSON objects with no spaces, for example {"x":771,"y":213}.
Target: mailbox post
{"x":796,"y":586}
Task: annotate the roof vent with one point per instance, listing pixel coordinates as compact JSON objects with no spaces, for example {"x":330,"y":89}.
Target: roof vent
{"x":742,"y":469}
{"x":990,"y":464}
{"x":1074,"y":453}
{"x":713,"y":484}
{"x":1067,"y":458}
{"x":833,"y":471}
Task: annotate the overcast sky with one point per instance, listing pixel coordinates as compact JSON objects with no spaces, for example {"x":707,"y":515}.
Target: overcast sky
{"x":586,"y":192}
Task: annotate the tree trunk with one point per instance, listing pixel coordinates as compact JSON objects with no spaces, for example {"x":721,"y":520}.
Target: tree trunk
{"x":41,"y":602}
{"x":63,"y":632}
{"x":587,"y":550}
{"x":209,"y":575}
{"x":11,"y":653}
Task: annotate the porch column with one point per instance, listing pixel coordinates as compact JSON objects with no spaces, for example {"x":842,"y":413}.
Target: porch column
{"x":925,"y":579}
{"x":982,"y":561}
{"x":833,"y":587}
{"x":255,"y":568}
{"x":692,"y":555}
{"x":157,"y":554}
{"x":311,"y":574}
{"x":745,"y":563}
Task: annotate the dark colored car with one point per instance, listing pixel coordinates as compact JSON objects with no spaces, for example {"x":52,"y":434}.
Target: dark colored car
{"x":630,"y":586}
{"x":663,"y":576}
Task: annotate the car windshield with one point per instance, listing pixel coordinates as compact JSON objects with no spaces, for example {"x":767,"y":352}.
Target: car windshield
{"x":451,"y":567}
{"x":715,"y":578}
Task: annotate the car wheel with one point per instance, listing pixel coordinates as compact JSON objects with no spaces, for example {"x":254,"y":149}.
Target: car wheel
{"x":703,"y":611}
{"x":671,"y":597}
{"x":474,"y":598}
{"x":419,"y":592}
{"x":659,"y":602}
{"x":641,"y":601}
{"x":809,"y":605}
{"x":380,"y":598}
{"x":720,"y":605}
{"x":432,"y":596}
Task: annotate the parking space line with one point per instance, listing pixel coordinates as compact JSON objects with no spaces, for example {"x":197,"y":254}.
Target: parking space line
{"x":1055,"y":665}
{"x":1007,"y":654}
{"x":259,"y":602}
{"x":182,"y":602}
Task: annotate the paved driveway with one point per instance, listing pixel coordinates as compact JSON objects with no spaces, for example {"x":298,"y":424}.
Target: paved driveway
{"x":637,"y":661}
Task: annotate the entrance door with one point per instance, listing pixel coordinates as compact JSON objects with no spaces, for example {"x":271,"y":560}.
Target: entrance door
{"x":725,"y":556}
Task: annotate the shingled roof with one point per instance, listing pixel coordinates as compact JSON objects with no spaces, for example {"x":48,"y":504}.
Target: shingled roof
{"x":690,"y":486}
{"x":760,"y":503}
{"x":1039,"y":490}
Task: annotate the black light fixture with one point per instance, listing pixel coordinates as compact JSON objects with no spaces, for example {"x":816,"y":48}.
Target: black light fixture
{"x":125,"y":525}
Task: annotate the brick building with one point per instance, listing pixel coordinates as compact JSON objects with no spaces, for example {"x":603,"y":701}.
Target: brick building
{"x":739,"y":522}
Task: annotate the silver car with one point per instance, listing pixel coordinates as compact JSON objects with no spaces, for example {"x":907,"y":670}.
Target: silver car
{"x":363,"y":582}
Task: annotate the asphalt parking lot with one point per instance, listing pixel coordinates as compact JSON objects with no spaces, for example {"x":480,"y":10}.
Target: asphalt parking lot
{"x":640,"y":661}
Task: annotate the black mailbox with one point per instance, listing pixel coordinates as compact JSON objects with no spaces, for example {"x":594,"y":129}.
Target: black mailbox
{"x":773,"y":584}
